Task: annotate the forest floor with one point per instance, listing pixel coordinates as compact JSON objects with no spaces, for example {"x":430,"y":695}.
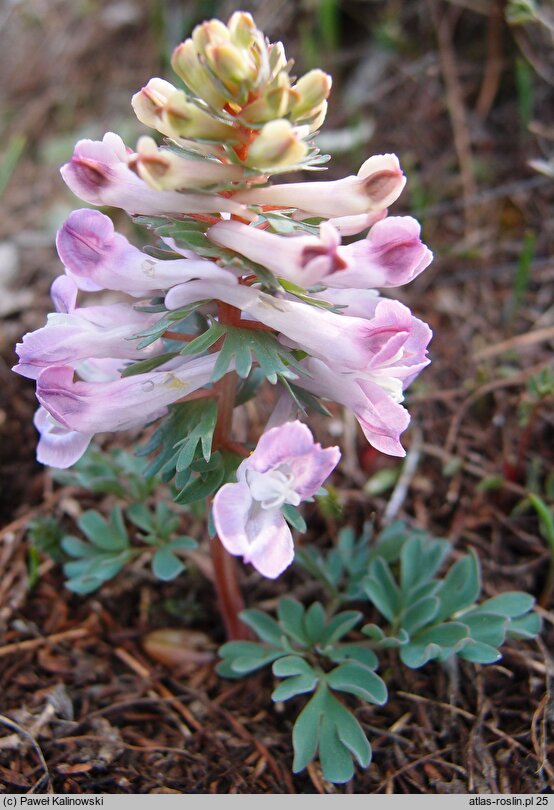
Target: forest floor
{"x":449,"y":87}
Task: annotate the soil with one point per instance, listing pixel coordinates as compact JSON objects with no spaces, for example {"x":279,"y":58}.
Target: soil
{"x":449,"y":87}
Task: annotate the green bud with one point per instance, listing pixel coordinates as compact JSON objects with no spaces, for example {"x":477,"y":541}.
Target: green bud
{"x":313,"y":89}
{"x":275,"y":102}
{"x":277,"y":145}
{"x":242,"y":29}
{"x":187,"y":66}
{"x":233,"y":68}
{"x":150,"y":102}
{"x":186,"y":120}
{"x":213,"y":32}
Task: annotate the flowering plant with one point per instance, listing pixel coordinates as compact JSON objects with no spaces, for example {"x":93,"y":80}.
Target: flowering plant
{"x":248,"y":282}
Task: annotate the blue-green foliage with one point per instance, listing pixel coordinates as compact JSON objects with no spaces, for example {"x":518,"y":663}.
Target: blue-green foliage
{"x":306,"y":650}
{"x":114,"y":473}
{"x":108,"y":545}
{"x":427,"y":616}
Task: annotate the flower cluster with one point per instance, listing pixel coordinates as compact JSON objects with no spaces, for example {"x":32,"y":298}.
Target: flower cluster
{"x":244,"y":273}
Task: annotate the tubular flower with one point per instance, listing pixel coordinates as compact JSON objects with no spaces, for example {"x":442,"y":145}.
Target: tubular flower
{"x":378,"y":183}
{"x":95,"y":407}
{"x":379,"y":414}
{"x":286,"y":467}
{"x":392,"y":339}
{"x":392,"y":253}
{"x":73,"y":334}
{"x":99,"y":174}
{"x":223,"y":286}
{"x":98,"y":258}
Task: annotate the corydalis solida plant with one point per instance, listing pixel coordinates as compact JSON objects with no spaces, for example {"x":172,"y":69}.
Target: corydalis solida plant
{"x":248,"y":281}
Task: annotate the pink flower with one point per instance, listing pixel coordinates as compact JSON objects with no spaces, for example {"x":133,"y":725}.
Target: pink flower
{"x":392,"y":254}
{"x":98,"y":258}
{"x":58,"y":446}
{"x":76,"y":334}
{"x":95,"y":407}
{"x":286,"y":467}
{"x":99,"y":173}
{"x":304,"y":260}
{"x":381,"y":418}
{"x":392,"y":344}
{"x":378,"y":183}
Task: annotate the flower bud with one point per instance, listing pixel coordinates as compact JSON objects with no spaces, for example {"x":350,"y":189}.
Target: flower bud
{"x":186,"y":64}
{"x":313,"y":89}
{"x":277,"y":145}
{"x":182,"y":118}
{"x":166,"y":171}
{"x":149,"y":103}
{"x":233,"y":68}
{"x":274,"y":103}
{"x":212,"y":32}
{"x":242,"y":29}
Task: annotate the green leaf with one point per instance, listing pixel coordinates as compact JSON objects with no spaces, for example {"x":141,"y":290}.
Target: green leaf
{"x":201,"y":487}
{"x":182,"y":542}
{"x":461,"y":586}
{"x":525,"y":627}
{"x":314,"y":622}
{"x":479,"y":653}
{"x":243,"y":657}
{"x":382,"y":590}
{"x":201,"y":432}
{"x":509,"y":604}
{"x":141,"y":516}
{"x":390,"y":541}
{"x":142,"y":366}
{"x":420,"y":614}
{"x":110,"y":537}
{"x":358,"y":680}
{"x":84,"y":584}
{"x":305,"y":732}
{"x":76,"y":547}
{"x":377,"y":634}
{"x":352,"y":652}
{"x":204,"y":341}
{"x":339,"y":626}
{"x":326,"y":724}
{"x":487,"y":628}
{"x":292,"y":665}
{"x":420,"y":559}
{"x":291,"y":618}
{"x":165,"y":565}
{"x":351,"y":734}
{"x":265,"y":627}
{"x":336,"y":762}
{"x":154,"y":332}
{"x":293,"y":517}
{"x":296,"y":685}
{"x":439,"y":642}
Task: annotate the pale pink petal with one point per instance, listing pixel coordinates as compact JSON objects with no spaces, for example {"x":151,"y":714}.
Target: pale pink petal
{"x":63,"y":293}
{"x":96,"y":258}
{"x":292,"y":444}
{"x":391,"y":255}
{"x":231,"y":507}
{"x":378,"y":184}
{"x":58,"y":446}
{"x":120,"y":404}
{"x":270,"y":548}
{"x":103,"y":331}
{"x":98,"y":173}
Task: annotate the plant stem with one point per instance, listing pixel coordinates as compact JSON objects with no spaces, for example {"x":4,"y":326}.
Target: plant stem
{"x":229,"y":595}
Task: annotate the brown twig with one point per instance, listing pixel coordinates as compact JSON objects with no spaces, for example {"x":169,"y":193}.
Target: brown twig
{"x":34,"y":643}
{"x":444,"y":21}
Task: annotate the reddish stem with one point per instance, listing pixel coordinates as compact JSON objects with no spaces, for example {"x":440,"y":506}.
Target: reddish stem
{"x":229,"y":595}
